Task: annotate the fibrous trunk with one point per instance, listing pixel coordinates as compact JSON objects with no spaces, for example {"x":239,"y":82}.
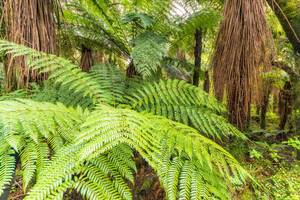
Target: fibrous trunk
{"x":30,"y":23}
{"x":242,"y":47}
{"x":86,"y":61}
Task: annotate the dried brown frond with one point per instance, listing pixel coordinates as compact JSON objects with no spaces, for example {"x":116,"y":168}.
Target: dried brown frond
{"x":243,"y":46}
{"x":86,"y":61}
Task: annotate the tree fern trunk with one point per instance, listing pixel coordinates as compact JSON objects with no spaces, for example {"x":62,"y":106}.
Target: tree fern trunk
{"x":30,"y":23}
{"x":242,"y":46}
{"x":86,"y":61}
{"x":197,"y":52}
{"x":264,"y":107}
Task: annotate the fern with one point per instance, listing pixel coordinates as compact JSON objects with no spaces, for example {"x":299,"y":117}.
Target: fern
{"x":184,"y":103}
{"x":141,"y":19}
{"x":207,"y":18}
{"x":147,"y":53}
{"x":7,"y":166}
{"x":108,"y":127}
{"x":62,"y":70}
{"x":91,"y":151}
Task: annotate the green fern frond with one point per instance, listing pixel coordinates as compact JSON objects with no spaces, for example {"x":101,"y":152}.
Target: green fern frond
{"x":182,"y":102}
{"x":148,"y":50}
{"x":107,"y":127}
{"x":37,"y":119}
{"x":143,"y":20}
{"x":28,"y":159}
{"x":207,"y":18}
{"x":7,"y":167}
{"x":88,"y":25}
{"x":62,"y":70}
{"x":111,"y":81}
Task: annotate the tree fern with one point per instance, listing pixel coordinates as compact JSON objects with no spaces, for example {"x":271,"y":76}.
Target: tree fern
{"x":90,"y":150}
{"x":62,"y":70}
{"x":108,"y":127}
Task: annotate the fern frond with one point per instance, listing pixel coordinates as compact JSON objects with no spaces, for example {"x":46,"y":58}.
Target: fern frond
{"x":88,"y":25}
{"x":207,"y":18}
{"x":107,"y":127}
{"x":148,"y":50}
{"x":28,"y":159}
{"x":7,"y":167}
{"x":111,"y":81}
{"x":143,"y":20}
{"x":182,"y":102}
{"x":62,"y":70}
{"x":37,"y":119}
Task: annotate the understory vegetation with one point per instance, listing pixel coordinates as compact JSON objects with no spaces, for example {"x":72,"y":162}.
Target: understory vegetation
{"x":149,"y":99}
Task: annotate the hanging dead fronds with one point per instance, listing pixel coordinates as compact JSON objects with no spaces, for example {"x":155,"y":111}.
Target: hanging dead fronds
{"x":86,"y":61}
{"x":242,"y":47}
{"x":30,"y":23}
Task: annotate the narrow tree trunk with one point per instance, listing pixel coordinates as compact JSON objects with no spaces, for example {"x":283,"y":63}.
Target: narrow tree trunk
{"x":30,"y":23}
{"x":285,"y":104}
{"x":206,"y":85}
{"x":86,"y":61}
{"x":198,"y":51}
{"x":264,"y":107}
{"x":130,"y":71}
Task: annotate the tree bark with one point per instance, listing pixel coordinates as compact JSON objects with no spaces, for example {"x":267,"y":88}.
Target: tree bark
{"x":241,"y":44}
{"x":30,"y":23}
{"x":197,"y":53}
{"x":206,"y":85}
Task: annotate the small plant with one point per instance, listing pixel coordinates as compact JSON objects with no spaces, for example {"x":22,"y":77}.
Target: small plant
{"x":293,"y":142}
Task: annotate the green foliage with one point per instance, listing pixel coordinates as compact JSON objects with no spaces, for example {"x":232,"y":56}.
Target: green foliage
{"x":207,"y":19}
{"x":7,"y":165}
{"x":91,"y":150}
{"x":139,"y":19}
{"x":285,"y":184}
{"x":276,"y":77}
{"x":182,"y":102}
{"x":293,"y":142}
{"x":148,"y":50}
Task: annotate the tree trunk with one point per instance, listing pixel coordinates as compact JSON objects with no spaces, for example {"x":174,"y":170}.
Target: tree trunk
{"x":130,"y":71}
{"x":30,"y":23}
{"x":86,"y":61}
{"x":264,"y":106}
{"x":197,"y":53}
{"x":285,"y":104}
{"x":206,"y":85}
{"x":242,"y":47}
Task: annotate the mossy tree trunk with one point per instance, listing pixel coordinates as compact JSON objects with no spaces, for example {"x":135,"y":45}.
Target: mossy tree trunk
{"x":288,"y":14}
